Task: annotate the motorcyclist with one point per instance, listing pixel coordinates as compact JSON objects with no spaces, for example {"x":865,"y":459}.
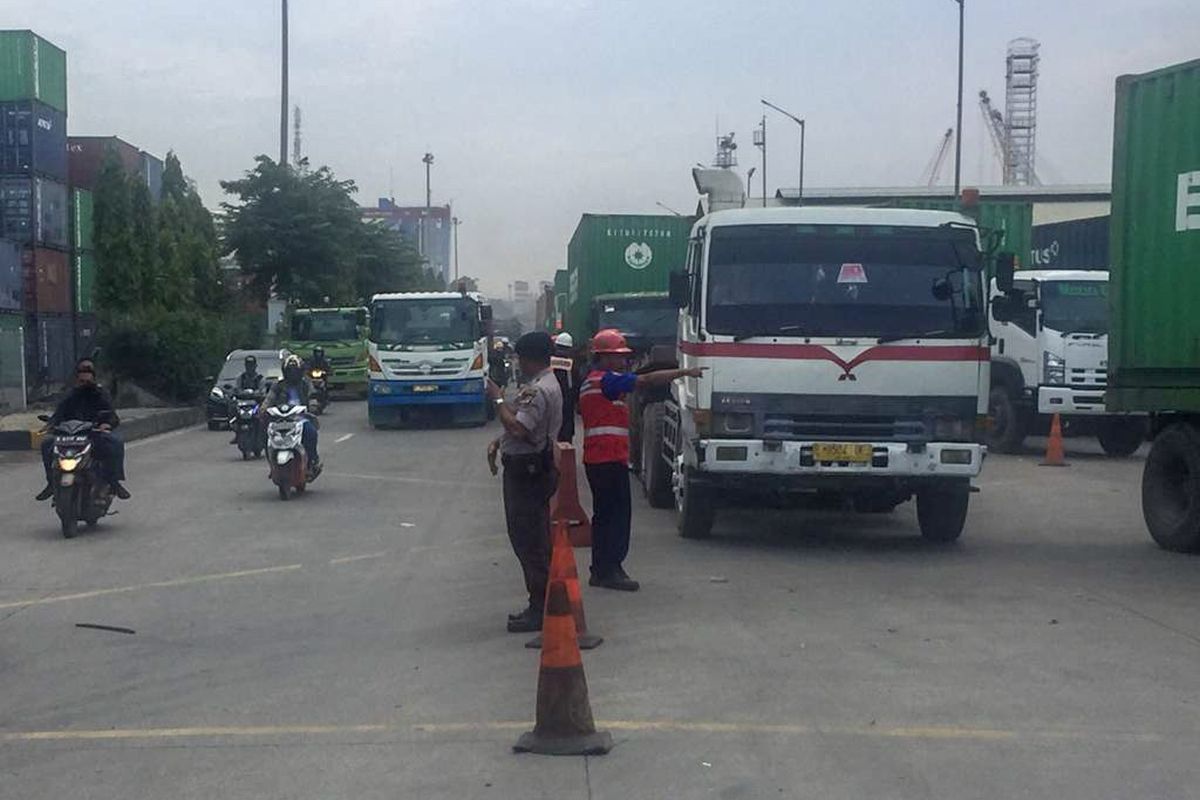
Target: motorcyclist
{"x":318,"y":360}
{"x":295,"y":389}
{"x":88,"y":402}
{"x":251,"y":380}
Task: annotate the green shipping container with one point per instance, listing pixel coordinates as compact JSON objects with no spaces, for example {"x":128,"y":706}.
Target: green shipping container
{"x":32,"y":69}
{"x":1154,"y":242}
{"x":1012,"y":222}
{"x":82,"y":225}
{"x":618,"y":253}
{"x":83,"y":265}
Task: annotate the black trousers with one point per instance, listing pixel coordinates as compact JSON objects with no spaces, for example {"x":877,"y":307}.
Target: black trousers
{"x":612,"y":515}
{"x":527,"y":513}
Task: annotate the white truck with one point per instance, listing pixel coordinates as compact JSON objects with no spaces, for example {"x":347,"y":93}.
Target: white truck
{"x":1052,"y":357}
{"x":847,"y":356}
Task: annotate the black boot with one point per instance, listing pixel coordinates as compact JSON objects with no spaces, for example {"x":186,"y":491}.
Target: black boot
{"x":46,"y":493}
{"x":120,"y":491}
{"x":529,"y":621}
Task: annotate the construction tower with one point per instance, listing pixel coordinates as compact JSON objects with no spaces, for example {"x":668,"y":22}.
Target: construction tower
{"x":1020,"y":112}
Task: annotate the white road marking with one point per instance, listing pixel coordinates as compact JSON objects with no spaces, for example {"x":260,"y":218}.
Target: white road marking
{"x":158,"y":437}
{"x":363,"y":557}
{"x":404,"y":479}
{"x":341,"y":439}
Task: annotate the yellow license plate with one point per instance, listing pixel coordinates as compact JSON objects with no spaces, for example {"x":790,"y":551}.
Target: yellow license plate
{"x":425,"y":387}
{"x":836,"y":451}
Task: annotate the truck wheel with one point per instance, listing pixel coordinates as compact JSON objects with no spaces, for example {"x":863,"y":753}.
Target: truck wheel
{"x":656,"y":479}
{"x":1121,"y":436}
{"x":1006,"y":428}
{"x":1171,"y":489}
{"x":942,"y":511}
{"x":694,"y":508}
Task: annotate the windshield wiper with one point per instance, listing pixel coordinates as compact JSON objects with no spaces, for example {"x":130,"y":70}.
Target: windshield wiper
{"x":921,"y":335}
{"x":775,"y":332}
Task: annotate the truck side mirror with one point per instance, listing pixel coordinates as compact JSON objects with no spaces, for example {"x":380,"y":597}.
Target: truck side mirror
{"x":678,"y":289}
{"x":485,"y":313}
{"x":1002,"y":308}
{"x":1006,"y":266}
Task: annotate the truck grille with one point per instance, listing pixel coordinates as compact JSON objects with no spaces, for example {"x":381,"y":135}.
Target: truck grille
{"x":342,"y":361}
{"x":843,"y":429}
{"x":1097,"y":378}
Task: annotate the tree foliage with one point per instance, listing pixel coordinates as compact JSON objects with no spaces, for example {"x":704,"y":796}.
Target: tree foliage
{"x":299,"y":235}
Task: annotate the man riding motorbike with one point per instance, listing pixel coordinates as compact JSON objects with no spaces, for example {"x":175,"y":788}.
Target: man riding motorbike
{"x":250,"y":380}
{"x":88,"y":402}
{"x":295,"y":389}
{"x":318,"y":360}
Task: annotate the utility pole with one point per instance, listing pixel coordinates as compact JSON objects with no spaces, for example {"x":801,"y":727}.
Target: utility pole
{"x":283,"y":100}
{"x":455,"y":221}
{"x":427,"y":160}
{"x":760,"y":140}
{"x":958,"y":123}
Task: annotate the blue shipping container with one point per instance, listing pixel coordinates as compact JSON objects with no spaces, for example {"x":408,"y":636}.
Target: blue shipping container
{"x":1076,"y":244}
{"x":33,"y":140}
{"x":34,"y":211}
{"x":10,"y":276}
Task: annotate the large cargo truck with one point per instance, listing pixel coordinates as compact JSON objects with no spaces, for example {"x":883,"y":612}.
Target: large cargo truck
{"x":847,"y":362}
{"x":342,"y":333}
{"x":1154,"y":364}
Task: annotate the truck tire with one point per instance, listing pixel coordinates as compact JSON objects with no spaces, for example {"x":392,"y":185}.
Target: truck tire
{"x":1006,"y":423}
{"x":1171,"y":489}
{"x":1121,"y":436}
{"x":694,"y":508}
{"x":656,"y":478}
{"x":942,"y":511}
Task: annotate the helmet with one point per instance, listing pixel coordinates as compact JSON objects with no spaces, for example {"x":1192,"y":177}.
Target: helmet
{"x":318,"y":352}
{"x":610,"y":341}
{"x":535,"y":345}
{"x":564,"y":340}
{"x":251,"y":363}
{"x":292,"y":367}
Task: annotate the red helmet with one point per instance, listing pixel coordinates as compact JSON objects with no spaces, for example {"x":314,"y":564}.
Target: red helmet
{"x":610,"y":340}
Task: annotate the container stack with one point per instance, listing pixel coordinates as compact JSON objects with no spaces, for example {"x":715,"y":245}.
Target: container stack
{"x":36,"y":283}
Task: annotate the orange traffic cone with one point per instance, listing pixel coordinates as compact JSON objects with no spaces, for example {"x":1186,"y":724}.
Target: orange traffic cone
{"x":1055,"y":457}
{"x":562,"y":568}
{"x":565,"y":505}
{"x":564,"y":724}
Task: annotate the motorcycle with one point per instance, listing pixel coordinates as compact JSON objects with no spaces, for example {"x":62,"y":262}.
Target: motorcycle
{"x":80,"y":489}
{"x":320,"y":384}
{"x":251,"y":438}
{"x":285,"y":450}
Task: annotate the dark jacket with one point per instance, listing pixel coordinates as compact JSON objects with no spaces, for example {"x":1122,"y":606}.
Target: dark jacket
{"x":279,"y":392}
{"x":251,"y":381}
{"x":88,"y":404}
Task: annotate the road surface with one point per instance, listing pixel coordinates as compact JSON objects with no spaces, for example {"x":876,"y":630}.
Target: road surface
{"x":351,"y":643}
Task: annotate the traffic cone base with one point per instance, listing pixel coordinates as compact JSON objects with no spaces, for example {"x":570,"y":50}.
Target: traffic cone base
{"x":586,"y":641}
{"x":1055,"y":456}
{"x":564,"y":724}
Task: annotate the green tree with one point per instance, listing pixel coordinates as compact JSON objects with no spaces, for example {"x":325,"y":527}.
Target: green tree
{"x":188,"y":236}
{"x":117,"y":276}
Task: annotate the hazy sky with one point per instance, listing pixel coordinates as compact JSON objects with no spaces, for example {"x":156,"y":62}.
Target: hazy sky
{"x":540,"y":110}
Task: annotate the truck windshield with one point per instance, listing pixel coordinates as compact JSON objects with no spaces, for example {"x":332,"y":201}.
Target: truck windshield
{"x":1075,"y":306}
{"x":325,"y":326}
{"x":802,"y":281}
{"x":424,"y":322}
{"x":649,"y":320}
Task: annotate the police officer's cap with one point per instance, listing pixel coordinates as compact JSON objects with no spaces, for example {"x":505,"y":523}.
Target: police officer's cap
{"x":535,"y":345}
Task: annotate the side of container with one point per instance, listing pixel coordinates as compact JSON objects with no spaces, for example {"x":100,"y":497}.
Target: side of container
{"x":54,"y":351}
{"x":1155,"y":242}
{"x":1077,"y":244}
{"x":32,"y":68}
{"x":86,"y":155}
{"x":83,"y":226}
{"x":83,"y":270}
{"x":46,"y":275}
{"x":33,"y":139}
{"x":10,"y":276}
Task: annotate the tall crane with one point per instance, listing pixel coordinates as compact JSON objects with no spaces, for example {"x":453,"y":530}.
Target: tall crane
{"x":993,"y":121}
{"x":933,"y":170}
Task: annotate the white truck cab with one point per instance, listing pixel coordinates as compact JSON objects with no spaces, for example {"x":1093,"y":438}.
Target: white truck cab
{"x":1050,"y":356}
{"x":847,"y":363}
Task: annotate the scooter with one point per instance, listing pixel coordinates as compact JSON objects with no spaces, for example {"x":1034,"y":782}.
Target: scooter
{"x":285,"y":450}
{"x":80,"y":490}
{"x":251,"y":438}
{"x":320,"y":384}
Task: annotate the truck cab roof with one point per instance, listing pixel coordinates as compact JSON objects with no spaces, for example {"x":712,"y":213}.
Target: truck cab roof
{"x":833,"y":215}
{"x":476,"y":296}
{"x":1062,"y":274}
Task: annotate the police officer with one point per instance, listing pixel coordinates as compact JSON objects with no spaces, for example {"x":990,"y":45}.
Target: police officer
{"x":568,"y":376}
{"x":531,"y":423}
{"x":606,"y":452}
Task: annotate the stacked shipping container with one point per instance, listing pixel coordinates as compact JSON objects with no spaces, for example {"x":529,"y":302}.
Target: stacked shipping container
{"x":35,"y":264}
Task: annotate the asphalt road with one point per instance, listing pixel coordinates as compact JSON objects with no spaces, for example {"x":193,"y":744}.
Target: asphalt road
{"x":351,"y":644}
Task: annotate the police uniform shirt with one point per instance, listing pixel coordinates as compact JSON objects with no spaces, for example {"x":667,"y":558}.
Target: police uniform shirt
{"x":538,"y":407}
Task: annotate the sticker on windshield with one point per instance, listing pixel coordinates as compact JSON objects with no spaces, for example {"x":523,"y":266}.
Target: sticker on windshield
{"x":852,"y":273}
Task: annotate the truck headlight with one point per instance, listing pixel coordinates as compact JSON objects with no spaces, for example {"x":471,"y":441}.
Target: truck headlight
{"x":381,"y":388}
{"x":1054,"y":369}
{"x":954,"y":429}
{"x":733,"y":424}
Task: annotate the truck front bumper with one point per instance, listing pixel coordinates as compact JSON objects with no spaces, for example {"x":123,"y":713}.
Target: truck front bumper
{"x":1070,"y":401}
{"x":789,"y":458}
{"x":426,"y":393}
{"x":342,"y":378}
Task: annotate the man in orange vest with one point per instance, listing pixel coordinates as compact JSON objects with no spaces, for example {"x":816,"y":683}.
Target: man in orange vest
{"x":606,"y":452}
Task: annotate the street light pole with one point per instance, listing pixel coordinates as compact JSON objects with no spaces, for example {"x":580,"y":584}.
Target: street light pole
{"x":283,"y":104}
{"x":455,"y":221}
{"x":760,"y":140}
{"x":427,"y":160}
{"x":800,"y":122}
{"x":958,"y":123}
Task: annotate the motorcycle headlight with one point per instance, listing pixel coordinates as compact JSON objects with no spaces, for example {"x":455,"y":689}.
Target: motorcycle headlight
{"x":68,"y":464}
{"x":1054,"y":369}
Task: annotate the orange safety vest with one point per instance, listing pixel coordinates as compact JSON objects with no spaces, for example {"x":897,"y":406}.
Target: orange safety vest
{"x":605,"y":423}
